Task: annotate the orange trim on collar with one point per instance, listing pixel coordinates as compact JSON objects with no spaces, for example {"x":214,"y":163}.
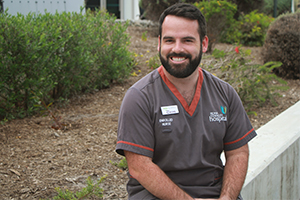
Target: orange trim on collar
{"x":189,"y":109}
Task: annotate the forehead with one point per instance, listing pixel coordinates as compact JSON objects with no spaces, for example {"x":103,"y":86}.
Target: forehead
{"x":179,"y":27}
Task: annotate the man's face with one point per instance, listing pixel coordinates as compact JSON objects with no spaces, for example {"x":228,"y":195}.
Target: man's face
{"x":180,"y":48}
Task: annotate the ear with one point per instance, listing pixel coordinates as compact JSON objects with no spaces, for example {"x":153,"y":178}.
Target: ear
{"x":158,"y":45}
{"x":204,"y":44}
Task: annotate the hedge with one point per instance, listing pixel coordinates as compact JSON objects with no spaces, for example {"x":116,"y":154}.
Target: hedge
{"x":53,"y":56}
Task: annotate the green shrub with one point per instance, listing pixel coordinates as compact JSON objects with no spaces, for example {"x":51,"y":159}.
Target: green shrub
{"x":283,"y":44}
{"x":250,"y":30}
{"x":219,"y":16}
{"x":21,"y":66}
{"x":56,"y":56}
{"x":253,"y":82}
{"x":253,"y":28}
{"x":218,"y":53}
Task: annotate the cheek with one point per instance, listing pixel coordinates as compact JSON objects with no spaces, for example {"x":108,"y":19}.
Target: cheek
{"x":163,"y":50}
{"x":195,"y":52}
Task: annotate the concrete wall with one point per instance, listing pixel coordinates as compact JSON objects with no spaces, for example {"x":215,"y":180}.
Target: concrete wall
{"x":274,"y":165}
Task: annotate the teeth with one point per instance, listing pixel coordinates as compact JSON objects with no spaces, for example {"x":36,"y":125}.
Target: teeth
{"x":177,"y":59}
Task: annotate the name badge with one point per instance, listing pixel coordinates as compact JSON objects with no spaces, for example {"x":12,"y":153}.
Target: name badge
{"x":169,"y":110}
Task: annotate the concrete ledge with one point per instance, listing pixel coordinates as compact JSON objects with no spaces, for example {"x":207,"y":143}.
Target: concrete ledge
{"x":274,"y":164}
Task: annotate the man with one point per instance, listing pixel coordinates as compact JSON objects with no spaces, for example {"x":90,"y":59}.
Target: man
{"x":175,"y":122}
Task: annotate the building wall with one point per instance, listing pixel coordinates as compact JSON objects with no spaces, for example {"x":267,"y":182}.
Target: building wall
{"x":129,"y":9}
{"x":24,"y":7}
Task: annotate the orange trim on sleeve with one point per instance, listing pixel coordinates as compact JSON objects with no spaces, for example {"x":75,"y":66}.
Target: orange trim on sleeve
{"x":136,"y":145}
{"x":235,"y":141}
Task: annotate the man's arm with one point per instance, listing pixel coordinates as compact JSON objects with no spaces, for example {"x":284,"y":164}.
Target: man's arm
{"x":234,"y":172}
{"x":151,"y":177}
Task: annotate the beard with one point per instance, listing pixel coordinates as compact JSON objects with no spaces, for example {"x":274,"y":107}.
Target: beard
{"x":179,"y":70}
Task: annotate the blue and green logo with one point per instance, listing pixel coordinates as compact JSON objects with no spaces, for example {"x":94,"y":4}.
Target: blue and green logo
{"x":224,"y":109}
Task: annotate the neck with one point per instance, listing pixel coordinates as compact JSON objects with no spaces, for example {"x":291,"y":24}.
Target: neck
{"x":185,"y":86}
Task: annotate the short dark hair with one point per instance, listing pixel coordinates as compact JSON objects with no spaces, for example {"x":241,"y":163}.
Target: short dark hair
{"x":188,"y":11}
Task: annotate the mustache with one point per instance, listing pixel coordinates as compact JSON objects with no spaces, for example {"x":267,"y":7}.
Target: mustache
{"x":179,"y":55}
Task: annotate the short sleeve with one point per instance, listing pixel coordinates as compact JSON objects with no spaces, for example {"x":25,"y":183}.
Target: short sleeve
{"x":135,"y":131}
{"x":239,"y":131}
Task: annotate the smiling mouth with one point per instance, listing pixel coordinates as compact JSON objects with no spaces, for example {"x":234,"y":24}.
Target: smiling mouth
{"x":178,"y":59}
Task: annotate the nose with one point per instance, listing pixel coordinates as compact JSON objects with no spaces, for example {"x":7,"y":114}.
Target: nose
{"x":177,"y":47}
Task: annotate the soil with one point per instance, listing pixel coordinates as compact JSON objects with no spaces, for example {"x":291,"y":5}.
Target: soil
{"x":35,"y":158}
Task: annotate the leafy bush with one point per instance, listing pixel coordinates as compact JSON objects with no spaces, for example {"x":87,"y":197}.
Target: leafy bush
{"x":253,"y":28}
{"x":56,"y":56}
{"x":219,"y":16}
{"x":218,"y":53}
{"x":253,"y":83}
{"x":250,"y":30}
{"x":282,"y":44}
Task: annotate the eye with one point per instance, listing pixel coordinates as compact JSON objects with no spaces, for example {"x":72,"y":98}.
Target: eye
{"x":188,"y":40}
{"x":168,"y":41}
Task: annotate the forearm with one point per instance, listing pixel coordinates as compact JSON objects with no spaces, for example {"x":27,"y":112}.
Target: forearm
{"x":234,"y":173}
{"x":159,"y":184}
{"x":153,"y":179}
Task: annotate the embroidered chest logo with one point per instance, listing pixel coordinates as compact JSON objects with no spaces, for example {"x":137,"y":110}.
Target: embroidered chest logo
{"x":218,"y":117}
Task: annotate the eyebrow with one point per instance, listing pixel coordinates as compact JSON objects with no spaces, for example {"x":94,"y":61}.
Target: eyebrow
{"x":187,"y":37}
{"x":167,"y":37}
{"x":190,"y":38}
